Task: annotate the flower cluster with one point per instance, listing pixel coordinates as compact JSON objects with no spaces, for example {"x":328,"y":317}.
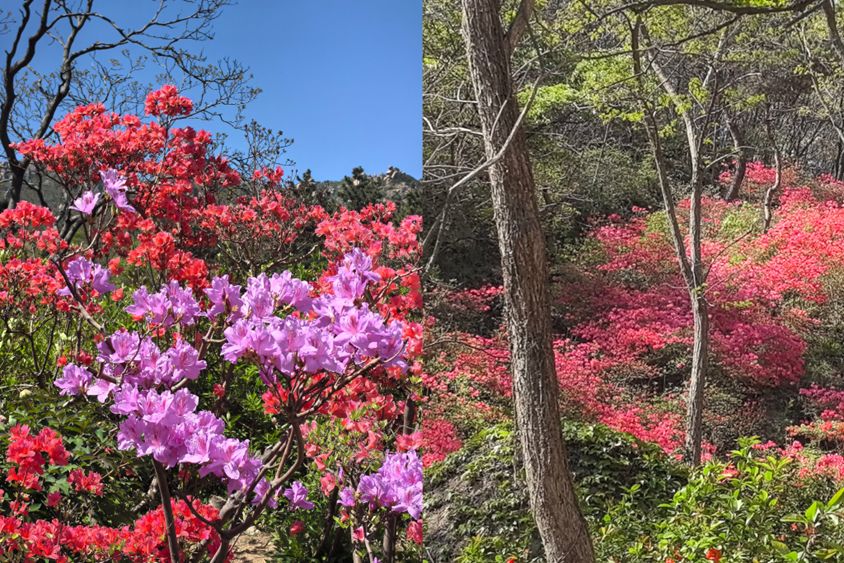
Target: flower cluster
{"x":326,"y":334}
{"x":322,"y":334}
{"x":86,"y":275}
{"x":90,"y":482}
{"x":143,"y":541}
{"x":397,"y":486}
{"x":164,"y":424}
{"x":26,"y":452}
{"x":167,"y":307}
{"x":30,"y":455}
{"x":167,"y":101}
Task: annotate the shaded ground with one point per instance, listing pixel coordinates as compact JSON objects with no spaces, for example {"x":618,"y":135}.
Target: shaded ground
{"x":253,"y":546}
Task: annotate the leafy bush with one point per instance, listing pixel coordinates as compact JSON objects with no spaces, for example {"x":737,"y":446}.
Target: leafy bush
{"x":739,"y":509}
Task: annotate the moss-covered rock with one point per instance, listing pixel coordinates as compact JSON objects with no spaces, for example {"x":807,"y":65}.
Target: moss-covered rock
{"x":475,"y":510}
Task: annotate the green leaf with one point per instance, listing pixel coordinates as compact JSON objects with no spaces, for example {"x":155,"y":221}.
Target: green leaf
{"x":812,"y":512}
{"x":836,"y":498}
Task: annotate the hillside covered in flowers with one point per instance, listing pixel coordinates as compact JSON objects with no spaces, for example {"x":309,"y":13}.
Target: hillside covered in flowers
{"x":623,"y":339}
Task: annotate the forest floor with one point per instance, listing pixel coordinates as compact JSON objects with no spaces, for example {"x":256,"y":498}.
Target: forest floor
{"x":253,"y":546}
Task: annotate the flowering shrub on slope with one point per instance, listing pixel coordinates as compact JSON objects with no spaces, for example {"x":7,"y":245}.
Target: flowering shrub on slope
{"x":624,"y":352}
{"x":181,"y":304}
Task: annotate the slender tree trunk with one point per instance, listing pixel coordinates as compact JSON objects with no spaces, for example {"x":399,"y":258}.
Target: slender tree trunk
{"x":13,"y":196}
{"x":700,"y":320}
{"x":768,"y":203}
{"x":741,"y":161}
{"x":691,"y":261}
{"x":832,"y":27}
{"x":839,"y":161}
{"x":389,"y":543}
{"x":700,"y":363}
{"x":324,"y":550}
{"x":563,"y":530}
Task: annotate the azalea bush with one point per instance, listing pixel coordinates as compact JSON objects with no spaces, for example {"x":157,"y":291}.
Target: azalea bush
{"x":214,"y":347}
{"x":623,"y":328}
{"x":749,"y":507}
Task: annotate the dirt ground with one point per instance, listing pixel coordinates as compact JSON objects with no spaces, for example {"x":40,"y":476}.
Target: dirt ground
{"x":253,"y":546}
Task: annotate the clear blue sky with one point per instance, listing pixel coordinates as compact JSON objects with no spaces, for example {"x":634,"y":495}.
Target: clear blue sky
{"x":342,"y":78}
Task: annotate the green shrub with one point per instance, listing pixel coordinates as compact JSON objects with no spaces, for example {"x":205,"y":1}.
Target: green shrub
{"x":738,"y":509}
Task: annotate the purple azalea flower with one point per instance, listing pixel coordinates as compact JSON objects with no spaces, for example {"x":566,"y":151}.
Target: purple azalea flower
{"x":397,"y":485}
{"x":347,"y":497}
{"x":152,"y":307}
{"x":171,"y":305}
{"x":352,"y":277}
{"x":258,"y":300}
{"x":82,"y":272}
{"x":130,"y":433}
{"x":101,"y":389}
{"x":297,"y":496}
{"x":199,"y":445}
{"x":224,"y":296}
{"x":183,"y":306}
{"x":360,"y":262}
{"x":163,"y":443}
{"x":120,"y":348}
{"x":182,"y":362}
{"x":260,"y":490}
{"x":238,"y":338}
{"x":126,"y":400}
{"x":154,"y":407}
{"x":348,"y":285}
{"x":115,"y":186}
{"x":86,"y":203}
{"x":371,"y":489}
{"x":291,"y":291}
{"x":74,"y":380}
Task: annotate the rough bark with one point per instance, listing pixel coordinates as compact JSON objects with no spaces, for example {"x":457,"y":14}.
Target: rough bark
{"x":525,"y":274}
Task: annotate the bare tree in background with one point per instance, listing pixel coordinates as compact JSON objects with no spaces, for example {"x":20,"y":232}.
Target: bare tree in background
{"x":167,"y":38}
{"x":564,"y":533}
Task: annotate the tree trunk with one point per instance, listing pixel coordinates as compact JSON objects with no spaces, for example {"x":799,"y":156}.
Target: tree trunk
{"x":700,"y":363}
{"x":691,"y":263}
{"x":13,"y":196}
{"x":741,"y":162}
{"x":525,"y":274}
{"x":768,"y":202}
{"x":839,"y":161}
